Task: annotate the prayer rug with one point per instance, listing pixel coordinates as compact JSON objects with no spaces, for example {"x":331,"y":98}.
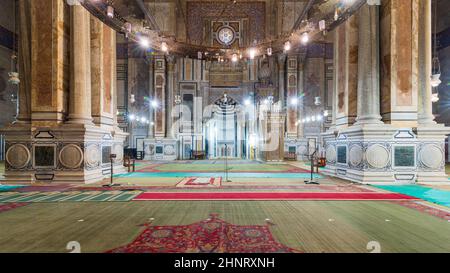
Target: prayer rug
{"x":209,"y":236}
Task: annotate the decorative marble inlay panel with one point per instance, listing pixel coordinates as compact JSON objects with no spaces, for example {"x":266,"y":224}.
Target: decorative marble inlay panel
{"x":377,"y":156}
{"x":18,"y":156}
{"x":431,"y":156}
{"x":71,"y":156}
{"x":92,"y":156}
{"x":106,"y":153}
{"x":342,"y":154}
{"x":302,"y":150}
{"x":44,"y":156}
{"x":150,"y":149}
{"x":331,"y":154}
{"x":356,"y":155}
{"x":404,"y":156}
{"x":169,"y":150}
{"x":118,"y":150}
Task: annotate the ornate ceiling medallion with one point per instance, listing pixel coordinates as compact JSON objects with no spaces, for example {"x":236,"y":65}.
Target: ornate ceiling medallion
{"x":226,"y":36}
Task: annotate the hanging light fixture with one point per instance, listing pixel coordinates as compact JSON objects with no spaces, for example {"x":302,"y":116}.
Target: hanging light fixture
{"x":132,"y":98}
{"x":128,"y":28}
{"x":252,"y":53}
{"x":317,"y":101}
{"x":436,"y":66}
{"x":164,"y":47}
{"x":304,"y":38}
{"x":110,"y":11}
{"x":13,"y":76}
{"x":434,"y":97}
{"x":234,"y":58}
{"x":287,"y":46}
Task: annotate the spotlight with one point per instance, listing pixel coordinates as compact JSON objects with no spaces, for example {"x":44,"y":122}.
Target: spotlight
{"x":326,"y":113}
{"x":308,"y":119}
{"x":154,"y":103}
{"x":305,"y":38}
{"x":132,"y":117}
{"x":247,"y":102}
{"x":319,"y":117}
{"x":294,"y":101}
{"x":144,"y":42}
{"x":313,"y":118}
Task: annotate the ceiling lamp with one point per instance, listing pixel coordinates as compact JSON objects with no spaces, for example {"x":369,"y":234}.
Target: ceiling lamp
{"x":132,"y":98}
{"x":304,"y":38}
{"x":144,"y":42}
{"x":434,"y":97}
{"x":287,"y":46}
{"x":252,"y":53}
{"x":110,"y":11}
{"x":294,"y":101}
{"x":128,"y":28}
{"x":317,"y":101}
{"x":322,"y":25}
{"x":164,"y":47}
{"x":269,"y":51}
{"x":234,"y":58}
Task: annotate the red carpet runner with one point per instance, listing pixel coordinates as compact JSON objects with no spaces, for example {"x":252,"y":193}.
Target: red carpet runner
{"x":146,"y":196}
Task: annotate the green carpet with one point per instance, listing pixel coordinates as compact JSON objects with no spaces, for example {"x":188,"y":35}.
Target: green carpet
{"x":306,"y":226}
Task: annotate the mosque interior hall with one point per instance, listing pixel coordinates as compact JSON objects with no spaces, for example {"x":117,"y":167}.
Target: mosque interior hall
{"x":224,"y":126}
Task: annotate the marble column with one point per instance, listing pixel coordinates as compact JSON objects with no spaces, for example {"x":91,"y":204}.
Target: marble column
{"x":150,"y":133}
{"x":80,"y":88}
{"x":368,"y":67}
{"x":292,"y":93}
{"x":425,"y":113}
{"x":24,"y":95}
{"x":301,"y":90}
{"x":170,"y":93}
{"x":160,"y":96}
{"x":281,"y":80}
{"x":346,"y":70}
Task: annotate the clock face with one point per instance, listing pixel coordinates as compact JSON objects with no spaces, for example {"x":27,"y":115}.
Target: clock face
{"x":226,"y":36}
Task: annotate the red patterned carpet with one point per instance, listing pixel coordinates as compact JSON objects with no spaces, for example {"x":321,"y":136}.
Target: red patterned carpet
{"x":165,"y":196}
{"x":209,"y":236}
{"x":10,"y":206}
{"x":425,"y":209}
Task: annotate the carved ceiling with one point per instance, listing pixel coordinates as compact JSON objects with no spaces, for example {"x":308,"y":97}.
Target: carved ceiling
{"x":185,"y":24}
